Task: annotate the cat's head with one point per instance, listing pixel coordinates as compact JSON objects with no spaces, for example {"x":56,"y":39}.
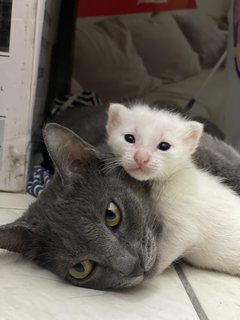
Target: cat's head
{"x":151,"y":143}
{"x":90,"y":226}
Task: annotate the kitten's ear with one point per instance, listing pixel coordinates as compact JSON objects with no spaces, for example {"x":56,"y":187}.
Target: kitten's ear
{"x":115,"y":112}
{"x":68,"y":151}
{"x":16,"y":236}
{"x":193,"y":135}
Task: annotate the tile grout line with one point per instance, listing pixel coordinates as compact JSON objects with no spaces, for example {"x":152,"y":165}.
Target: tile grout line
{"x":191,"y":294}
{"x":13,"y":208}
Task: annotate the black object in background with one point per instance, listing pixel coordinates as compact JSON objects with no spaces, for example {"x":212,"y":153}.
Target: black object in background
{"x":5,"y":24}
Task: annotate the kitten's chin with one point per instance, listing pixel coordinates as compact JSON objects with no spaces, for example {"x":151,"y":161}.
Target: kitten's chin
{"x":140,"y":174}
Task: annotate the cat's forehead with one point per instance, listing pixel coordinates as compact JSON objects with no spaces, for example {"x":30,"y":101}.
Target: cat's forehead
{"x":85,"y":198}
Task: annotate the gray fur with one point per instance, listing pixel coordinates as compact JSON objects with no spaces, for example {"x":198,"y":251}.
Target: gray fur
{"x":220,"y":159}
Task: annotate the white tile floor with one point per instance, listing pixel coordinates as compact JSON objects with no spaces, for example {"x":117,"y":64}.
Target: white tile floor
{"x":182,"y":293}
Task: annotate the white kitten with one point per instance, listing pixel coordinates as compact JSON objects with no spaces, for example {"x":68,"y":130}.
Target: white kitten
{"x":200,"y":215}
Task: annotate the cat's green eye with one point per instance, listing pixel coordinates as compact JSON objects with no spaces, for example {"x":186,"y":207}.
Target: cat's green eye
{"x":112,"y":215}
{"x":81,"y":270}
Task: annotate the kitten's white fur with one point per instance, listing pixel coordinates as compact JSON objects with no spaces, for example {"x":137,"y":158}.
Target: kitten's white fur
{"x":200,"y":215}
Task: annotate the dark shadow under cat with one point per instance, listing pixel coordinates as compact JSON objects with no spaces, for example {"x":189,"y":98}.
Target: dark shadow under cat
{"x":93,"y":225}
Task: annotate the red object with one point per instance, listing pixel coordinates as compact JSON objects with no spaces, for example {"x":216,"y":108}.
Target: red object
{"x":91,"y":8}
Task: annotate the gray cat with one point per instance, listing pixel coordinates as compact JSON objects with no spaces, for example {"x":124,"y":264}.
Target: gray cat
{"x":90,"y":226}
{"x":93,"y":224}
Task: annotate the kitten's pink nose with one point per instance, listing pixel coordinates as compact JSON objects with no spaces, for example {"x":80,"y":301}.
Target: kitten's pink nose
{"x":141,"y":157}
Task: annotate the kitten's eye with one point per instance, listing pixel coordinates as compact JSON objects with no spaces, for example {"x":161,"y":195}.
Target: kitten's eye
{"x":164,"y":146}
{"x":112,"y":215}
{"x":129,"y":138}
{"x":81,"y":270}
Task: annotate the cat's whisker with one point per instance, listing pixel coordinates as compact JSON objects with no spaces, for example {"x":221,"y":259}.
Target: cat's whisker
{"x":121,"y":172}
{"x":110,"y":167}
{"x":109,"y":163}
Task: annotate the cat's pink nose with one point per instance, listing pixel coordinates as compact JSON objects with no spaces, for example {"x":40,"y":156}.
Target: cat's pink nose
{"x":141,"y":157}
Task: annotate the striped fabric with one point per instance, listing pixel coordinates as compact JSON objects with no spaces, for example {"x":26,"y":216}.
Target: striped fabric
{"x":86,"y":98}
{"x":38,"y":180}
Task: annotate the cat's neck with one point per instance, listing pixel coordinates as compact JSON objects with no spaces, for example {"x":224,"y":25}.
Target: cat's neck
{"x":183,"y":179}
{"x":185,"y":170}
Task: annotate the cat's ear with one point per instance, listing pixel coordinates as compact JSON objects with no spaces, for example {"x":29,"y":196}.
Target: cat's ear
{"x":115,"y":113}
{"x":16,"y":236}
{"x":193,"y":135}
{"x":70,"y":154}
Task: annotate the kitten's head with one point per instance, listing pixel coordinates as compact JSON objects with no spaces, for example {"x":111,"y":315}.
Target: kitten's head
{"x":90,"y":226}
{"x":151,"y":143}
